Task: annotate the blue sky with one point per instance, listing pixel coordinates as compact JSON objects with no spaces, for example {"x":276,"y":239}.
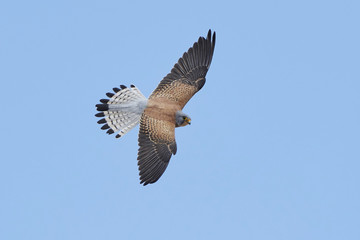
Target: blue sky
{"x":272,"y":152}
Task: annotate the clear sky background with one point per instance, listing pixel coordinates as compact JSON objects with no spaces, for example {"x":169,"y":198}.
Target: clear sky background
{"x":272,"y":152}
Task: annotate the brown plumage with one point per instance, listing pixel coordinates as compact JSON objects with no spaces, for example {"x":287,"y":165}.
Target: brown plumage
{"x":161,"y":113}
{"x":157,"y":124}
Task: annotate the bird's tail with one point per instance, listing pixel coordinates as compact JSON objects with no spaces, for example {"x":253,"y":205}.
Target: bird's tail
{"x":122,"y":111}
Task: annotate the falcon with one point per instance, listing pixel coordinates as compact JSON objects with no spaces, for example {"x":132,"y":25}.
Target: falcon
{"x":161,"y":113}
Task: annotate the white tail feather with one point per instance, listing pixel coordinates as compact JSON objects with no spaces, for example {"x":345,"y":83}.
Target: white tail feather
{"x":124,"y":111}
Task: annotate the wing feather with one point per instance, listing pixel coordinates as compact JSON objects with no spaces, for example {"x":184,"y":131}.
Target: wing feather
{"x":188,"y":75}
{"x":156,"y":146}
{"x":157,"y":124}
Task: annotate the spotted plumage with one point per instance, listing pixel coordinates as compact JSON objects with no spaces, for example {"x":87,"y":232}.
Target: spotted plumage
{"x":161,"y":113}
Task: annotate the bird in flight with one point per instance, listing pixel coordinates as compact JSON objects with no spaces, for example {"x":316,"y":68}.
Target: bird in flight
{"x":161,"y":113}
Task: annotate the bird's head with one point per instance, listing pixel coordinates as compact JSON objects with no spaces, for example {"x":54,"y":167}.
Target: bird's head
{"x":182,"y":119}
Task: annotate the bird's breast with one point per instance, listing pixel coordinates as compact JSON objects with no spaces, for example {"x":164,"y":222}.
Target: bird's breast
{"x":162,"y":108}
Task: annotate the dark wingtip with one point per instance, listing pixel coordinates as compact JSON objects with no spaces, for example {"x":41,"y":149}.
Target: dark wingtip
{"x":110,"y":131}
{"x":123,"y":86}
{"x":142,"y":181}
{"x":105,"y":127}
{"x":118,"y":136}
{"x":104,"y":100}
{"x":132,"y":86}
{"x":209,"y":34}
{"x":116,"y":89}
{"x":214,"y":40}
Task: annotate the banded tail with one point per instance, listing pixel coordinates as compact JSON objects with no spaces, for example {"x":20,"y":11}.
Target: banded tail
{"x":122,"y":111}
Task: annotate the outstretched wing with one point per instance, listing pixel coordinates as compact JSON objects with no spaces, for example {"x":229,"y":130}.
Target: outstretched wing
{"x":157,"y":124}
{"x":157,"y":144}
{"x":188,"y":75}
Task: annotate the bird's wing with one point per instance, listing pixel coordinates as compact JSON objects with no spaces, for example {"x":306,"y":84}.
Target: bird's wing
{"x":157,"y":144}
{"x":188,"y":75}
